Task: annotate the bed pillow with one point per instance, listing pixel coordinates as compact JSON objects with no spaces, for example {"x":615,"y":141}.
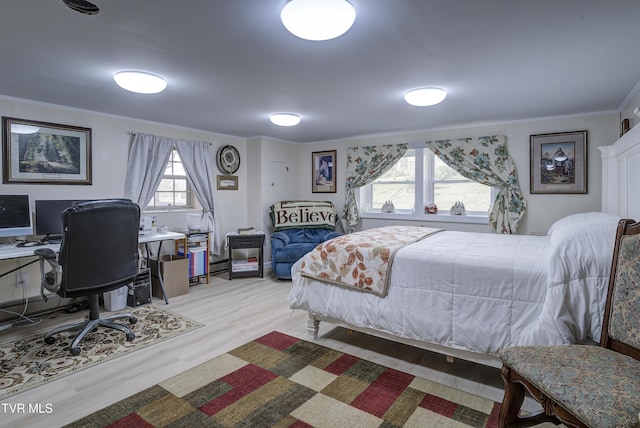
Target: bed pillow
{"x":583,"y":245}
{"x":581,"y":221}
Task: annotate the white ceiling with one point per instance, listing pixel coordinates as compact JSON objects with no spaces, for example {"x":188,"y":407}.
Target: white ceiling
{"x":230,"y":63}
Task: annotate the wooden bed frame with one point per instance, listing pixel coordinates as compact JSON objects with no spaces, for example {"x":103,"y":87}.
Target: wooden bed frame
{"x":313,"y":326}
{"x":620,"y":171}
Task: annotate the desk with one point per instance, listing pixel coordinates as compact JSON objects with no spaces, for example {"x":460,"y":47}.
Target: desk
{"x":14,"y":252}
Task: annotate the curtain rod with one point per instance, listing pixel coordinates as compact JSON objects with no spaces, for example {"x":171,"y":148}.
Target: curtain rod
{"x":137,"y":132}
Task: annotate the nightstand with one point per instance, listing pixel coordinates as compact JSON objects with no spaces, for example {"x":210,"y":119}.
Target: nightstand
{"x":253,"y":266}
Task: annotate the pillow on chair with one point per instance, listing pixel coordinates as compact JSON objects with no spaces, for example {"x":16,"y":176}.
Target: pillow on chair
{"x":303,"y":214}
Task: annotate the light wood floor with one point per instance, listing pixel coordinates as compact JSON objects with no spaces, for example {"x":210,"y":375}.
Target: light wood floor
{"x":233,"y":312}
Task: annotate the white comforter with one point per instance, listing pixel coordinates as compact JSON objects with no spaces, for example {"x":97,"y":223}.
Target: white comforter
{"x":483,"y":292}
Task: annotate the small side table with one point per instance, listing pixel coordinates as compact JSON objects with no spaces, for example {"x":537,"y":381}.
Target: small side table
{"x":245,"y":269}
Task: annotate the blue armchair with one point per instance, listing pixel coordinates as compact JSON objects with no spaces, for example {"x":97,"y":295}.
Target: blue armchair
{"x":289,"y":245}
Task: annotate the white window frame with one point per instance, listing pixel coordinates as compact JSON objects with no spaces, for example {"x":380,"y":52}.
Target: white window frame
{"x":424,"y":192}
{"x":190,"y":200}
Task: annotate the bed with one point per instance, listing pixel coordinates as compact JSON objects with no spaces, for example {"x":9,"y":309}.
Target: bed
{"x":468,"y":295}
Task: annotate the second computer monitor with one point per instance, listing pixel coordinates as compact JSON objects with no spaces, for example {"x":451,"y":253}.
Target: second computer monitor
{"x":49,"y":217}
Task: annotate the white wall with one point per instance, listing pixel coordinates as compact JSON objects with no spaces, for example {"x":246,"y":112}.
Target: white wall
{"x":111,"y":138}
{"x":278,"y":178}
{"x":542,"y":210}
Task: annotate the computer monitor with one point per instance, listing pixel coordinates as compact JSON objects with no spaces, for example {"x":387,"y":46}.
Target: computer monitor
{"x":49,"y":217}
{"x":15,"y":216}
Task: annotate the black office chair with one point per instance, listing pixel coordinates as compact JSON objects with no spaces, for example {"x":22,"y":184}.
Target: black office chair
{"x":99,"y":253}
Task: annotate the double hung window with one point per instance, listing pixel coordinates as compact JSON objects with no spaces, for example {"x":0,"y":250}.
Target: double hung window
{"x":420,"y":178}
{"x":174,"y":190}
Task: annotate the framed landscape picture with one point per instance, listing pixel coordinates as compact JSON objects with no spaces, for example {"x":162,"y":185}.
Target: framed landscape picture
{"x":323,"y":172}
{"x":559,"y":162}
{"x":45,"y":153}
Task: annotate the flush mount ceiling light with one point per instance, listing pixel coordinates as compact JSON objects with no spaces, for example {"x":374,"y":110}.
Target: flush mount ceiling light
{"x":318,"y":19}
{"x":82,"y":6}
{"x":140,"y":82}
{"x":285,"y":119}
{"x":17,"y":128}
{"x":423,"y":97}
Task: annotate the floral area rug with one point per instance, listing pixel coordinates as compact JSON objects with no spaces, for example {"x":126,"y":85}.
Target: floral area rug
{"x":281,"y":381}
{"x":28,"y":361}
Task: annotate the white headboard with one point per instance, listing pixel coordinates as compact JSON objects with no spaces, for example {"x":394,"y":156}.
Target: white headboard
{"x":621,"y":176}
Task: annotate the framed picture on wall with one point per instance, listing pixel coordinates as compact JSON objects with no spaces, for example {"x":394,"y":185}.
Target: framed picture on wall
{"x":323,"y":167}
{"x":559,"y":162}
{"x":227,"y":182}
{"x":45,"y":153}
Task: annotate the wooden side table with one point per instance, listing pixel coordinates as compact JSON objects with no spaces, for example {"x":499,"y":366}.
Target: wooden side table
{"x":246,"y":268}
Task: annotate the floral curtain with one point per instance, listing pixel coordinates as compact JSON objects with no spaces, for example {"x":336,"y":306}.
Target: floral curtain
{"x":486,"y":160}
{"x":364,"y":165}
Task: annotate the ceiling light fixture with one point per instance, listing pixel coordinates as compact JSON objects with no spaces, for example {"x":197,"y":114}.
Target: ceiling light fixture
{"x":18,"y":128}
{"x":318,"y":19}
{"x":82,"y":6}
{"x":423,"y":97}
{"x":140,"y":82}
{"x":285,"y":119}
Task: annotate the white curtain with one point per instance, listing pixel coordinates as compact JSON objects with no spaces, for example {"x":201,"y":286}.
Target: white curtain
{"x":148,"y":159}
{"x":197,"y":160}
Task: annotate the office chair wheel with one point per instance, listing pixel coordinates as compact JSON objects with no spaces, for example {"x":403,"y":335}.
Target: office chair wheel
{"x":49,"y":340}
{"x":130,"y":337}
{"x":133,"y":320}
{"x":74,"y":351}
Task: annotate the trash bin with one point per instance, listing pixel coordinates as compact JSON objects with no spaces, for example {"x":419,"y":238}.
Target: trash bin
{"x":116,"y":300}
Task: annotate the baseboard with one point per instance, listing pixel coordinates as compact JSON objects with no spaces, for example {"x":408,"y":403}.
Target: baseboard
{"x":219,"y":266}
{"x":35,"y":306}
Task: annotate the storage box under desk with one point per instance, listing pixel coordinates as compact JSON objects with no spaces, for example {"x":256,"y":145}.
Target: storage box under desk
{"x":175,"y":276}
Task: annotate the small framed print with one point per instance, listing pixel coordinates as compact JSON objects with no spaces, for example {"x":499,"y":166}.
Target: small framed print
{"x":323,"y":172}
{"x":227,"y":182}
{"x":559,"y":162}
{"x":45,"y":153}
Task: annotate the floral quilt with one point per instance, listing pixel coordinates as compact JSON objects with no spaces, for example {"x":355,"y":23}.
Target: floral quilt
{"x":361,"y":260}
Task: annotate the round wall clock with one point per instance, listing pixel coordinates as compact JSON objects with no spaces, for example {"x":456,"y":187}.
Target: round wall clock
{"x":228,"y":159}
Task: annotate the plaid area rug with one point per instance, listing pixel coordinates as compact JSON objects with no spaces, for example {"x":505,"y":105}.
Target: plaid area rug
{"x":29,"y":362}
{"x":281,"y":381}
